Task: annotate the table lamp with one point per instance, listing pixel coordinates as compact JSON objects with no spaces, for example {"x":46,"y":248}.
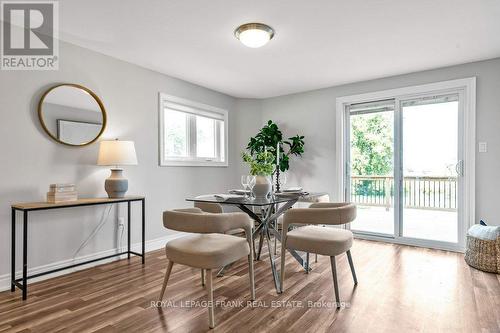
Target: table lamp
{"x":116,"y":153}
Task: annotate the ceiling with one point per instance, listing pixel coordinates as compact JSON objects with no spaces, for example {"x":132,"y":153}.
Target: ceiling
{"x":317,"y":44}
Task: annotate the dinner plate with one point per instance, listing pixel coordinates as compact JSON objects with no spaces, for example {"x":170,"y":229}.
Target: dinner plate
{"x":227,"y":196}
{"x":292,"y":189}
{"x":239,"y":191}
{"x":291,"y":194}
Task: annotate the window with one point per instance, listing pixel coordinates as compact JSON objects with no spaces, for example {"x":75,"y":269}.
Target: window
{"x":191,"y":133}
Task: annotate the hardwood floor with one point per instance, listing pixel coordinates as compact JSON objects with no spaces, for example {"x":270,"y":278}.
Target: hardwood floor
{"x":401,"y":289}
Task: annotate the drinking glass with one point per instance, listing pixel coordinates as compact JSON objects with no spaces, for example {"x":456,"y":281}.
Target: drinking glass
{"x":282,"y":180}
{"x":244,"y":183}
{"x":251,"y":183}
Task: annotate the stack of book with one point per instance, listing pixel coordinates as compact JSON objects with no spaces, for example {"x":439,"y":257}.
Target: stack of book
{"x":61,"y":193}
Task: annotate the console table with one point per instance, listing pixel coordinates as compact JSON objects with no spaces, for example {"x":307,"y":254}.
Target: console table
{"x":25,"y":208}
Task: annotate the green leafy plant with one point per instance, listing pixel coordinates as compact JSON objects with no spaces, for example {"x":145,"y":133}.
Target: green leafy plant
{"x":261,"y":164}
{"x":268,"y":139}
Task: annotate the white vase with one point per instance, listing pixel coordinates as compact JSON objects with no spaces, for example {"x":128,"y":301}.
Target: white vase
{"x":262,"y":187}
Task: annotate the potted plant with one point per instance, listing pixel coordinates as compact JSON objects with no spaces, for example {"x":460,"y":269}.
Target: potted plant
{"x":270,"y":138}
{"x":262,"y":167}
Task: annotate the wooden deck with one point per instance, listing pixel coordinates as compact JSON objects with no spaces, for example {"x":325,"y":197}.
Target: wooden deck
{"x":401,"y":289}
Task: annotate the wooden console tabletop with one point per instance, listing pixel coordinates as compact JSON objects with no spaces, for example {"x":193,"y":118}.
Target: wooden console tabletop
{"x":79,"y":202}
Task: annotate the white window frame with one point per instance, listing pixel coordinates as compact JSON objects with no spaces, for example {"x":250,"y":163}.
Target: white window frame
{"x":467,"y":89}
{"x":199,"y":109}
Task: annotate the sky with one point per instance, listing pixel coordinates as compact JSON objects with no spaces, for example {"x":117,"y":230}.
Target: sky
{"x":430,"y":139}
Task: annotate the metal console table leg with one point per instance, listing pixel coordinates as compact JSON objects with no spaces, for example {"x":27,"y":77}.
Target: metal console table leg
{"x":143,"y":231}
{"x":25,"y":254}
{"x":128,"y":230}
{"x":13,"y":253}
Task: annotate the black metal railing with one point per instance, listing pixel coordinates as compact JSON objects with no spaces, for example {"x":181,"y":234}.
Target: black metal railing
{"x":423,"y":192}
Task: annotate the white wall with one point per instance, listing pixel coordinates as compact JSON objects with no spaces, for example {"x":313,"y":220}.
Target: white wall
{"x":31,"y":160}
{"x":248,"y":124}
{"x":313,"y":115}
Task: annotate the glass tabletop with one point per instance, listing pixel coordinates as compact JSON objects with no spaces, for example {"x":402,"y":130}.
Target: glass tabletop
{"x":241,"y":200}
{"x":232,"y":199}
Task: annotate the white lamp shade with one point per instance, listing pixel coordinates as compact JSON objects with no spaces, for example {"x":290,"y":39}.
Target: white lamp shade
{"x":117,"y":153}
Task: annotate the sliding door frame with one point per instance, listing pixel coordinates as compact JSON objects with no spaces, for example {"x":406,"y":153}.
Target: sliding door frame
{"x":466,"y":88}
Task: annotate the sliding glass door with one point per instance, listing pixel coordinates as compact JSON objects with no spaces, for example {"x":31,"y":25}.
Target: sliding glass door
{"x":404,"y":166}
{"x":431,"y":168}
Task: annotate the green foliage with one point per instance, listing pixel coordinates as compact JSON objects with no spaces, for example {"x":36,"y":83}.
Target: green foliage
{"x":267,"y":140}
{"x":261,"y":164}
{"x":371,"y":151}
{"x":371,"y":145}
{"x":268,"y":137}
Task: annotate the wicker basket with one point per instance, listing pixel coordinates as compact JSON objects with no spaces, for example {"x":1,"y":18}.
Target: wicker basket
{"x":483,"y":254}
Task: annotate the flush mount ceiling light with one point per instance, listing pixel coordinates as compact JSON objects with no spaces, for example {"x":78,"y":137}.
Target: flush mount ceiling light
{"x":254,"y":34}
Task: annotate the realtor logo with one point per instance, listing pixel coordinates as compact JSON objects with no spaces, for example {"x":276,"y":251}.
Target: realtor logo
{"x":29,"y":35}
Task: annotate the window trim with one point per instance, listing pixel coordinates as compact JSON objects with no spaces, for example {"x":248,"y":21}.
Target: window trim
{"x":204,"y":110}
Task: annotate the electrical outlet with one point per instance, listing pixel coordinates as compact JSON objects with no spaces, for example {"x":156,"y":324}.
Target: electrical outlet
{"x":483,"y":147}
{"x":121,"y":221}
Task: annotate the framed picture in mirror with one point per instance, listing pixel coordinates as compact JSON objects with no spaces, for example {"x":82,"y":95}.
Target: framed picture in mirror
{"x":72,"y":114}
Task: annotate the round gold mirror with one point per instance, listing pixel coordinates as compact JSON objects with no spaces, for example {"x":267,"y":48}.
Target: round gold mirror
{"x":72,"y":114}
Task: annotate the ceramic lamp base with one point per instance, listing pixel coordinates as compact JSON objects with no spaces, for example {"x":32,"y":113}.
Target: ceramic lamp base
{"x":116,"y":185}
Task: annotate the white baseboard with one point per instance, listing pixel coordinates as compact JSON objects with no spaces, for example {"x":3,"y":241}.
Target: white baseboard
{"x":151,"y":245}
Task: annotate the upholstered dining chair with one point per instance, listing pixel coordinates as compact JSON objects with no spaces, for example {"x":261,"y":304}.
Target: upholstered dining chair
{"x":209,"y":247}
{"x":320,"y":240}
{"x":215,"y":208}
{"x":209,"y":207}
{"x":300,"y":204}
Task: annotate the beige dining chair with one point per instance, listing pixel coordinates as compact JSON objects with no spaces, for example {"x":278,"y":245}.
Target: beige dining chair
{"x":209,"y":247}
{"x":209,"y":207}
{"x":215,"y":208}
{"x":320,"y":240}
{"x":304,"y":201}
